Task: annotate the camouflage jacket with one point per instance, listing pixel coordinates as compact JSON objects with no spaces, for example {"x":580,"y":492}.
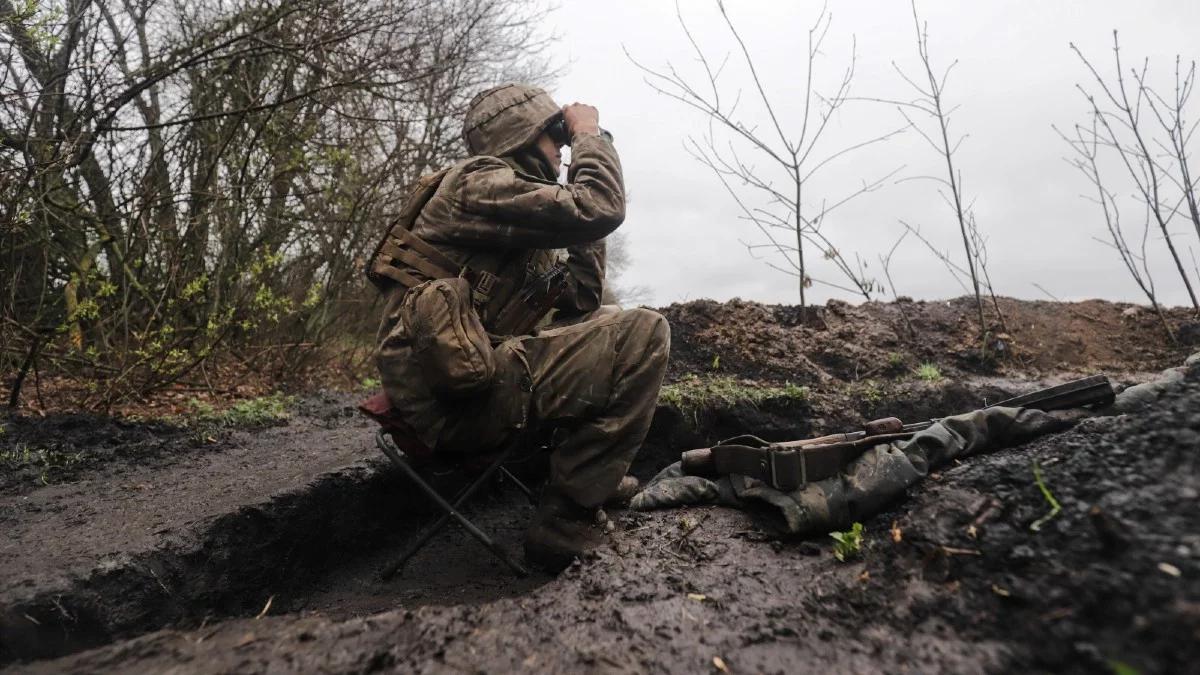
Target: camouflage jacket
{"x":490,"y":215}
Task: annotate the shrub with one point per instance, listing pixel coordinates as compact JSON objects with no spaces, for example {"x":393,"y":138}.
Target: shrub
{"x":929,"y":372}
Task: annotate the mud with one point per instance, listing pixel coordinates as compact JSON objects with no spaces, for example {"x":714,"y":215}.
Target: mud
{"x":297,"y":515}
{"x":160,"y":557}
{"x":680,"y":589}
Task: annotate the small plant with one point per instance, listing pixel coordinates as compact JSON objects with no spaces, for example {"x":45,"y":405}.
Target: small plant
{"x":1055,"y":507}
{"x":262,"y":410}
{"x":848,"y":544}
{"x":1122,"y":668}
{"x":253,"y":412}
{"x":371,"y":383}
{"x":895,"y":360}
{"x":872,"y":393}
{"x":795,"y":392}
{"x":45,"y":462}
{"x":929,"y":372}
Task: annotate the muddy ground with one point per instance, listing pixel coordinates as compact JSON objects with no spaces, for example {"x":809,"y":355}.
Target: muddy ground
{"x":164,"y":548}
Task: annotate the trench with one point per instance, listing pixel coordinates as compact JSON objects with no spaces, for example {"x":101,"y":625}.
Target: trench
{"x":319,"y":548}
{"x":314,"y":549}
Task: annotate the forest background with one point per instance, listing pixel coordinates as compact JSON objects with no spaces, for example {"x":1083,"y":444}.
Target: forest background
{"x":187,"y":190}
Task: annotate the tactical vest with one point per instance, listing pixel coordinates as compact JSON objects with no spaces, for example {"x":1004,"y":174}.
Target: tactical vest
{"x":506,"y":306}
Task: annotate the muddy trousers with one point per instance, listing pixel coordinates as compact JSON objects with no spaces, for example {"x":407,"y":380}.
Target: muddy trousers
{"x":593,"y":383}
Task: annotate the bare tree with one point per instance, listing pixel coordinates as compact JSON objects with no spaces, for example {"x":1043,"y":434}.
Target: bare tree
{"x":1086,"y":144}
{"x":885,"y":263}
{"x":775,"y":198}
{"x":1171,"y":115}
{"x":930,"y":102}
{"x":617,"y":261}
{"x":1159,"y":172}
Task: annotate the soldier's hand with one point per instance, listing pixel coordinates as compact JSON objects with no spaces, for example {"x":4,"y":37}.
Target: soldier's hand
{"x":581,"y":118}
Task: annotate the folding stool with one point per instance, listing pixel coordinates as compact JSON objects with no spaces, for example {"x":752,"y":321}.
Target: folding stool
{"x":396,"y":440}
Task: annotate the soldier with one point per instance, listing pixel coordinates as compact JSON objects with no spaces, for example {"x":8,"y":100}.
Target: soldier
{"x":501,"y":223}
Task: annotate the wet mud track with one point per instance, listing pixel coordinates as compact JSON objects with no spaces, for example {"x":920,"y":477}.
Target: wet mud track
{"x":952,"y":579}
{"x":302,"y":516}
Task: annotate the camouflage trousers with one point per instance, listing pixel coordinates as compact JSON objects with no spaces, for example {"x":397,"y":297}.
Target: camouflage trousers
{"x":594,"y":382}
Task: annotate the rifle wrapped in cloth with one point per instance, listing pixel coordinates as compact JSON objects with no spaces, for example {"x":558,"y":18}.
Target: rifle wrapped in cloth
{"x":790,"y":465}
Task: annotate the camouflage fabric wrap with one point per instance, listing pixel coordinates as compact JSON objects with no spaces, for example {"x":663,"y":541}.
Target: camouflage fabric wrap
{"x":884,"y":472}
{"x":879,"y":476}
{"x":503,"y":119}
{"x":1140,"y":397}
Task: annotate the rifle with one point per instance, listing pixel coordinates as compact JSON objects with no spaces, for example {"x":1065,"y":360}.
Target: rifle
{"x":792,"y":464}
{"x":537,"y":297}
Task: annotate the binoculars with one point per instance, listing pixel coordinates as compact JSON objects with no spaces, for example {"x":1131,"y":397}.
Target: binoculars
{"x":561,"y":136}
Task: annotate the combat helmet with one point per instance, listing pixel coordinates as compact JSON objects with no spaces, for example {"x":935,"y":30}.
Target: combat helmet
{"x":505,"y":118}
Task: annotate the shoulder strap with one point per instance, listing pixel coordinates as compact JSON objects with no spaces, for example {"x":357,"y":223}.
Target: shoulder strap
{"x":380,"y":270}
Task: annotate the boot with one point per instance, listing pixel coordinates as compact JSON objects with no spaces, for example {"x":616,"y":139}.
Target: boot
{"x":561,"y":532}
{"x":627,"y":488}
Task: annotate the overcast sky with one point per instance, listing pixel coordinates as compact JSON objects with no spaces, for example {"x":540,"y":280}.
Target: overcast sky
{"x":1016,"y":77}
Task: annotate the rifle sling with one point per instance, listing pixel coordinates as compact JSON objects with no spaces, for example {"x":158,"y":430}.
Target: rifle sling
{"x":787,"y":468}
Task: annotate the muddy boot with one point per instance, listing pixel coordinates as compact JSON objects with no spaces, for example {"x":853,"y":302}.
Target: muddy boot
{"x":561,"y":532}
{"x":625,"y":491}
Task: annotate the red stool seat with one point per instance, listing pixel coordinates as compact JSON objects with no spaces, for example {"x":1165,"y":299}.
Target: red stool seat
{"x":380,"y":409}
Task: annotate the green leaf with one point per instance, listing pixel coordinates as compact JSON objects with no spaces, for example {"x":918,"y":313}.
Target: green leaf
{"x":1055,"y":507}
{"x":848,"y":544}
{"x":1122,"y":668}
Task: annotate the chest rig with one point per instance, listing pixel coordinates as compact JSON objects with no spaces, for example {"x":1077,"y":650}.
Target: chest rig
{"x":510,"y":300}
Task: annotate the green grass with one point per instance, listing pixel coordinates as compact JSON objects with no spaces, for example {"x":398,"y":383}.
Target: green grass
{"x":696,"y":393}
{"x":872,"y":392}
{"x":44,"y":462}
{"x":1055,"y":507}
{"x":929,"y":372}
{"x":252,"y":412}
{"x":1122,"y":668}
{"x":848,"y":544}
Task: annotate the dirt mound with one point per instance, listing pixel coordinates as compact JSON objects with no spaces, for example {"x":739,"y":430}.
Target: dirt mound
{"x":855,"y":342}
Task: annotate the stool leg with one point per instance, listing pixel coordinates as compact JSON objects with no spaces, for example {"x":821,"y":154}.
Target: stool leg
{"x":520,"y":485}
{"x":450,"y":511}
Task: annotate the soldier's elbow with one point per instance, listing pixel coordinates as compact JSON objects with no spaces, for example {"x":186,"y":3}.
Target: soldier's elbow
{"x":613,"y":221}
{"x":610,"y":216}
